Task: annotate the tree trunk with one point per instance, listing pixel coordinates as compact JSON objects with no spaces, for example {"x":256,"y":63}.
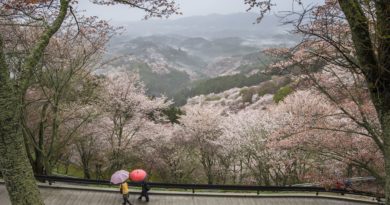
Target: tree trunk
{"x":67,"y":164}
{"x":87,"y":174}
{"x":382,"y":89}
{"x":28,"y":151}
{"x":85,"y":159}
{"x":207,"y":167}
{"x":375,"y":64}
{"x":48,"y":166}
{"x":386,"y":132}
{"x":382,"y":104}
{"x":39,"y":156}
{"x":98,"y":171}
{"x":38,"y":163}
{"x":15,"y":167}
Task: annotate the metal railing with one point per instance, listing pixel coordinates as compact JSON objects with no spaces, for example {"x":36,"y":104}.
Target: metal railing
{"x":194,"y":187}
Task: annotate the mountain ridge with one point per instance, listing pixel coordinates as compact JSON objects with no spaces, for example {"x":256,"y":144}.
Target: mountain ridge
{"x":171,"y":57}
{"x":210,"y":26}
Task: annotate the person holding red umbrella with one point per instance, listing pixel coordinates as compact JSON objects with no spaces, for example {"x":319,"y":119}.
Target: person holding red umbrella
{"x":139,"y":175}
{"x":144,"y":192}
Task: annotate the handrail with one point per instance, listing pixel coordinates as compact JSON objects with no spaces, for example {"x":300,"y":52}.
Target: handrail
{"x":194,"y":187}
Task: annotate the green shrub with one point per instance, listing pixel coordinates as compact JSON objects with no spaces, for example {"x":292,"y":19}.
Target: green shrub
{"x":282,"y":93}
{"x":213,"y":98}
{"x":281,"y":81}
{"x":247,"y":94}
{"x":268,"y":87}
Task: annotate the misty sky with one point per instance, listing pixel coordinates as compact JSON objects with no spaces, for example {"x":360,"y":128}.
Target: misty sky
{"x":188,"y":7}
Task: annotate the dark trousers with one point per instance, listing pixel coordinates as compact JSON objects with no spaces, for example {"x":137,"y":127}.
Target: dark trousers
{"x":126,"y":199}
{"x":144,"y":194}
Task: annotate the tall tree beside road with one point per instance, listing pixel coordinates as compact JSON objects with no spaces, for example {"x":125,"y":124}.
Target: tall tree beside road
{"x":50,"y":16}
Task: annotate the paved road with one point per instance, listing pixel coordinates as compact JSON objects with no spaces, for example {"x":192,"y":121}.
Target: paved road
{"x":59,"y":196}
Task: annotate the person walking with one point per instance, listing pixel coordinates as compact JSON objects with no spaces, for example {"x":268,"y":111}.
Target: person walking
{"x":124,"y":189}
{"x":144,"y":192}
{"x":348,"y":184}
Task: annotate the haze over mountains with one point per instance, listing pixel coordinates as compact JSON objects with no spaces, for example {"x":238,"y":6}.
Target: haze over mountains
{"x":170,"y":55}
{"x":210,"y":26}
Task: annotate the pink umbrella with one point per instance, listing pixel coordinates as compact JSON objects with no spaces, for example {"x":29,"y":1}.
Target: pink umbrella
{"x":119,"y":177}
{"x":137,"y":175}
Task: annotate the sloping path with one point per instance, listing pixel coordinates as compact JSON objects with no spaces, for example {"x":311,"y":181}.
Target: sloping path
{"x":90,"y":196}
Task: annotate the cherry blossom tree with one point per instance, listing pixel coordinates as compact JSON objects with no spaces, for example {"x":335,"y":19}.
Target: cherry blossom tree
{"x":49,"y":16}
{"x":15,"y":168}
{"x":127,"y":108}
{"x":164,"y":151}
{"x":90,"y":147}
{"x":357,"y":32}
{"x":62,"y":86}
{"x":203,"y":130}
{"x":318,"y":127}
{"x":250,"y":134}
{"x":244,"y":142}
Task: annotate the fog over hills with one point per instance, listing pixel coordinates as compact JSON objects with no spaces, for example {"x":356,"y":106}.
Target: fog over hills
{"x":211,"y":26}
{"x":169,"y":54}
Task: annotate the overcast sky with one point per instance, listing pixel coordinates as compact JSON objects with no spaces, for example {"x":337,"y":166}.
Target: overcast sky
{"x":188,"y":7}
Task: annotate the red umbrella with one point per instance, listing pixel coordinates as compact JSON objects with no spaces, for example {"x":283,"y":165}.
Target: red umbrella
{"x":137,"y":175}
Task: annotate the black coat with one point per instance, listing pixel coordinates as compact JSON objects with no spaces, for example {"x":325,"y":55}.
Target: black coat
{"x":145,"y":188}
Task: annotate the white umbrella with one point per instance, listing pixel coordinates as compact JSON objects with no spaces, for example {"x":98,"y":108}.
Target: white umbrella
{"x":119,"y":177}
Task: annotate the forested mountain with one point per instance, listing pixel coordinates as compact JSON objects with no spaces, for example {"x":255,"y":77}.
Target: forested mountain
{"x":181,"y":67}
{"x":173,"y":63}
{"x":254,"y":94}
{"x":217,"y":85}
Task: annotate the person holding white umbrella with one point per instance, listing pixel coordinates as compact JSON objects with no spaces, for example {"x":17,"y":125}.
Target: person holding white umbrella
{"x":124,"y":188}
{"x":120,"y":177}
